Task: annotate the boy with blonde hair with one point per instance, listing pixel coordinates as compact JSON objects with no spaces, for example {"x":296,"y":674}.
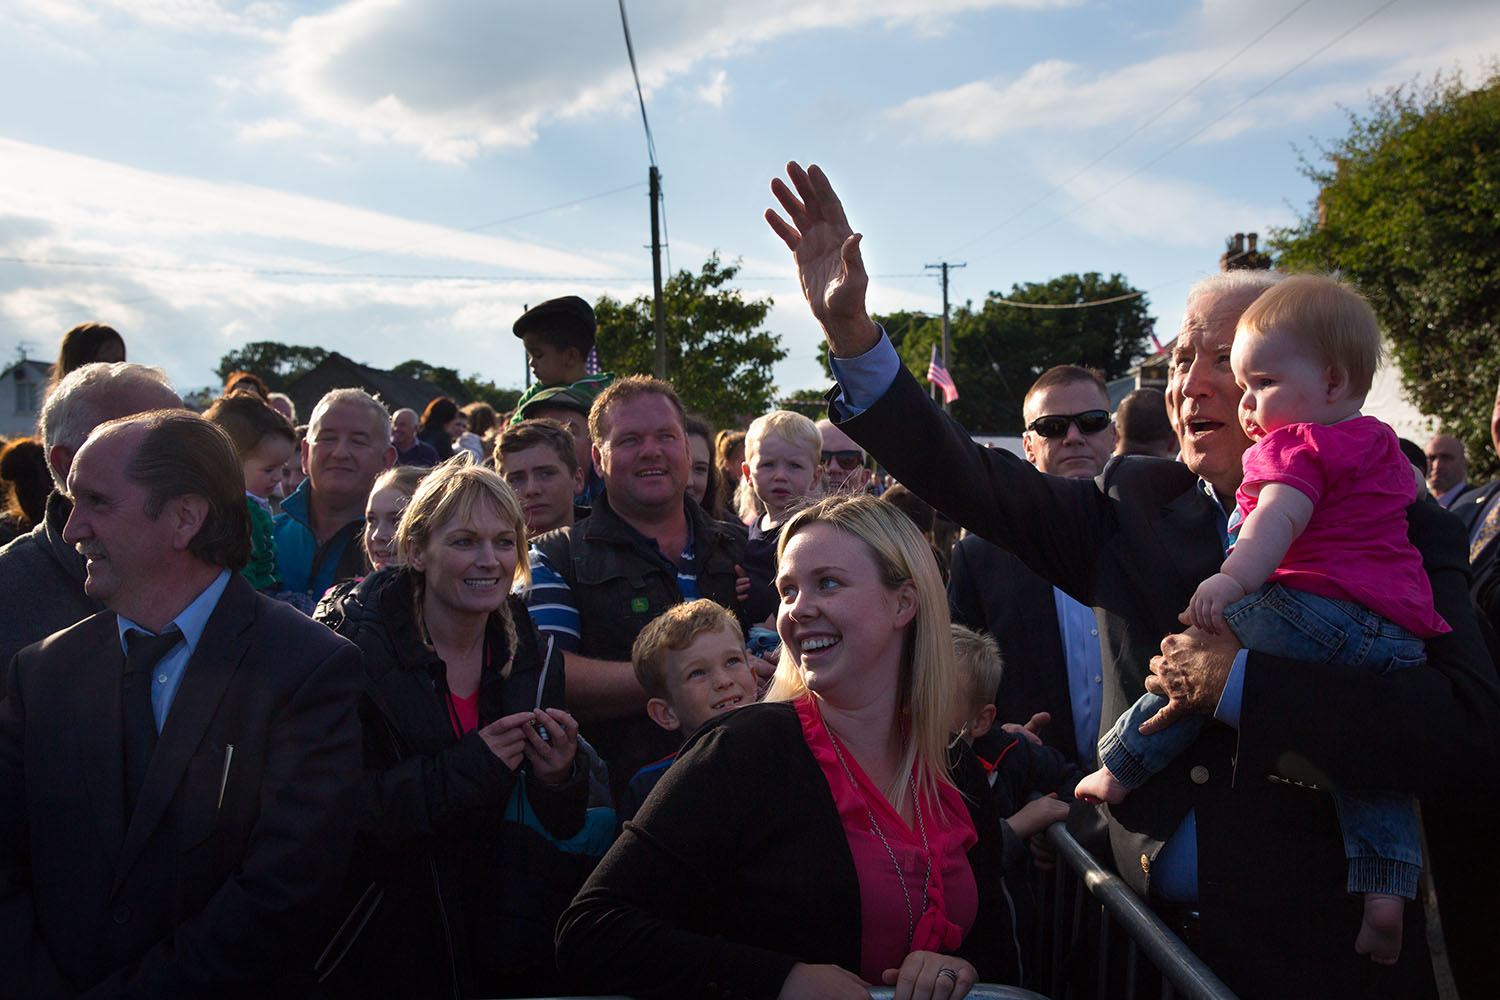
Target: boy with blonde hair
{"x":692,"y":662}
{"x":782,"y":466}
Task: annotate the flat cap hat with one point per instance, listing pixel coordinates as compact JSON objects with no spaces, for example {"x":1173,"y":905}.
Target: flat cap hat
{"x":567,"y":313}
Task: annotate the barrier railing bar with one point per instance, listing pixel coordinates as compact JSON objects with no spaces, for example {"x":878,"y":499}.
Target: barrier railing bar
{"x":1179,"y":966}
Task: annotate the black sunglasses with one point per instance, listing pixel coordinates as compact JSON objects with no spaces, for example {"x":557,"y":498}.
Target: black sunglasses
{"x":848,"y":459}
{"x":1055,"y":425}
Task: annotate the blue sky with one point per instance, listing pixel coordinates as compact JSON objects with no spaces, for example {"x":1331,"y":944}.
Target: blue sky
{"x":397,"y":178}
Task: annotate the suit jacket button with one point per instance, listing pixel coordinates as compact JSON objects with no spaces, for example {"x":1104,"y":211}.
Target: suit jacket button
{"x":1145,"y":864}
{"x":122,"y":914}
{"x":1199,"y":774}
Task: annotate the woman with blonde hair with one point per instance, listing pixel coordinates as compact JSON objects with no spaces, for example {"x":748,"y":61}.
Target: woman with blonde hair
{"x":461,"y":711}
{"x":826,"y":840}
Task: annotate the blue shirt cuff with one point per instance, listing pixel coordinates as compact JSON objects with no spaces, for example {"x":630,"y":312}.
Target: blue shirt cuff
{"x":863,"y":379}
{"x":1228,"y":709}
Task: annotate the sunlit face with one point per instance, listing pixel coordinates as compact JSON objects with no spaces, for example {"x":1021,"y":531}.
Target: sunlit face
{"x":345,"y":450}
{"x":467,"y":564}
{"x":263,"y":465}
{"x":550,"y":365}
{"x":782,"y":473}
{"x":456,"y":427}
{"x":404,"y":428}
{"x":839,"y":622}
{"x":292,"y":474}
{"x":700,"y":461}
{"x":1076,"y":454}
{"x":544,"y":485}
{"x":644,"y":456}
{"x":382,"y":518}
{"x":123,"y":547}
{"x":1203,"y":397}
{"x":1283,"y":383}
{"x":708,"y":678}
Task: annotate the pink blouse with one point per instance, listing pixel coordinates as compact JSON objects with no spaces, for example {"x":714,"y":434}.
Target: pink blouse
{"x":952,"y":901}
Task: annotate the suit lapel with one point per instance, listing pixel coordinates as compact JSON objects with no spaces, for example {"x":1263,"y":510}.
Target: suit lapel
{"x":101,"y":739}
{"x":1187,"y":519}
{"x":208,"y":673}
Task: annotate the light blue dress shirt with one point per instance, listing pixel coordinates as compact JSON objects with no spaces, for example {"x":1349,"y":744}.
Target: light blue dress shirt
{"x":166,"y":676}
{"x":1079,"y":629}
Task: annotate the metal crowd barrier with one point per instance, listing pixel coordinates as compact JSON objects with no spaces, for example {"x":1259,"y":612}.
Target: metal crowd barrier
{"x":980,"y":991}
{"x":1079,"y":908}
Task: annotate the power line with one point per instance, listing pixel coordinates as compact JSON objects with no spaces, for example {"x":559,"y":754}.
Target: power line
{"x":1138,"y":129}
{"x":640,"y":96}
{"x":1210,"y":124}
{"x":484,"y":225}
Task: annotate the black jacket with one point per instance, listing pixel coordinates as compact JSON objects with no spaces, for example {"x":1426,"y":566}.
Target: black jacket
{"x":434,"y":905}
{"x":738,"y":867}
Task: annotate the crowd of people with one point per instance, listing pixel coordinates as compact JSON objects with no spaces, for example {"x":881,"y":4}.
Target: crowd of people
{"x":596,"y":697}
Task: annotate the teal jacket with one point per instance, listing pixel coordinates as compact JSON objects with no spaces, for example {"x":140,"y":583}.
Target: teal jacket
{"x":304,"y":565}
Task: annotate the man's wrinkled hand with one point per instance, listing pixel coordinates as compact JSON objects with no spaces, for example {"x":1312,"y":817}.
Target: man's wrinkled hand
{"x":1191,"y":673}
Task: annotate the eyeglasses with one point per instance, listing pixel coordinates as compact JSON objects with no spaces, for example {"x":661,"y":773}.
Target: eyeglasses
{"x":849,"y":459}
{"x":1055,"y":425}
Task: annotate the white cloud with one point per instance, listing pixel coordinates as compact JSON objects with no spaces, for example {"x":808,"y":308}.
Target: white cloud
{"x":456,"y":77}
{"x":1058,"y":94}
{"x":80,"y":195}
{"x":715,"y":90}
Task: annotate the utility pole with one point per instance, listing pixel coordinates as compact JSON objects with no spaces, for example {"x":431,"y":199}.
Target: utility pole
{"x":945,"y":266}
{"x":658,"y":307}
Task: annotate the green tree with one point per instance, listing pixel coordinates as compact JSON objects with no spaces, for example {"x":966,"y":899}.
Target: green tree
{"x":718,"y":356}
{"x":998,"y":350}
{"x":276,"y":364}
{"x":1408,"y":209}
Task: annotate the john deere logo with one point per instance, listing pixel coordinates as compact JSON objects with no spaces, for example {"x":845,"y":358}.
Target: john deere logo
{"x":639,"y":605}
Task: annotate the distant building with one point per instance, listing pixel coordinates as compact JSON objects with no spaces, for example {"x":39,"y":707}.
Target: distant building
{"x":23,"y":386}
{"x":338,"y":372}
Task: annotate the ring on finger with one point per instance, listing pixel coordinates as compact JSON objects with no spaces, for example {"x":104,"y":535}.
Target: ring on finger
{"x":949,"y":973}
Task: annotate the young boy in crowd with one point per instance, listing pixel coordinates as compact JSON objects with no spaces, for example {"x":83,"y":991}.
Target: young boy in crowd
{"x":537,"y":458}
{"x":1018,"y":769}
{"x":692,"y":662}
{"x":558,"y":336}
{"x":782,"y":466}
{"x":264,"y":440}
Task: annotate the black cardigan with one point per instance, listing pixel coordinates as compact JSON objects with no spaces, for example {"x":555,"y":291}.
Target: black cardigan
{"x":737,"y":868}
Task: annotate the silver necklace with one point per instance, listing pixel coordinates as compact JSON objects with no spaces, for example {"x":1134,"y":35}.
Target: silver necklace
{"x":916,"y":808}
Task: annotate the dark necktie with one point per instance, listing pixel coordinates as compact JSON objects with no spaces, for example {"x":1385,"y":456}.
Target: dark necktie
{"x":142,"y":652}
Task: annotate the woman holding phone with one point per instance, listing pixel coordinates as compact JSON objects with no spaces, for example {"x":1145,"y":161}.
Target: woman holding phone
{"x":462,"y":709}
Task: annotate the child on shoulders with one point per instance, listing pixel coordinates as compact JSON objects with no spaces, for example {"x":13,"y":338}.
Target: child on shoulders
{"x":559,"y":336}
{"x":781,"y":465}
{"x":264,"y":440}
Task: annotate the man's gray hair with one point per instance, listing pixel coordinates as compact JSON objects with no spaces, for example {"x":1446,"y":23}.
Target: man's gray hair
{"x":1234,"y":290}
{"x":94,"y":393}
{"x":358,"y":397}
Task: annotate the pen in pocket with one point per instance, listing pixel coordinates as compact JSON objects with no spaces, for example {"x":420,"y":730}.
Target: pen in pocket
{"x":224,"y":777}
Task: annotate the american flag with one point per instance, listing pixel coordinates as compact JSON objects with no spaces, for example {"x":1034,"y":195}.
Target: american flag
{"x":938,"y":375}
{"x":591,"y":364}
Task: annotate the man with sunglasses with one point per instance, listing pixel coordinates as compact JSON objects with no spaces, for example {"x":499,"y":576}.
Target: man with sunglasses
{"x":1235,"y":844}
{"x":1050,"y":638}
{"x":844,"y":468}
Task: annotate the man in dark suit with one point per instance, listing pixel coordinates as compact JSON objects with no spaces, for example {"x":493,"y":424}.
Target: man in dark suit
{"x":177,"y":772}
{"x":1049,"y":642}
{"x":1479,"y":510}
{"x":1230,"y":841}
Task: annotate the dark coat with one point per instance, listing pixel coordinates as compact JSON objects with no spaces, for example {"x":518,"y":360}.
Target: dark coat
{"x":992,"y":591}
{"x":1133,"y":544}
{"x":216,"y":886}
{"x":41,"y":583}
{"x":738,"y":867}
{"x":443,"y":908}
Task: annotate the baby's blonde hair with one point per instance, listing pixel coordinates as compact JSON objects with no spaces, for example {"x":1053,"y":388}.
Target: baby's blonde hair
{"x":1329,"y":316}
{"x":791,"y":427}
